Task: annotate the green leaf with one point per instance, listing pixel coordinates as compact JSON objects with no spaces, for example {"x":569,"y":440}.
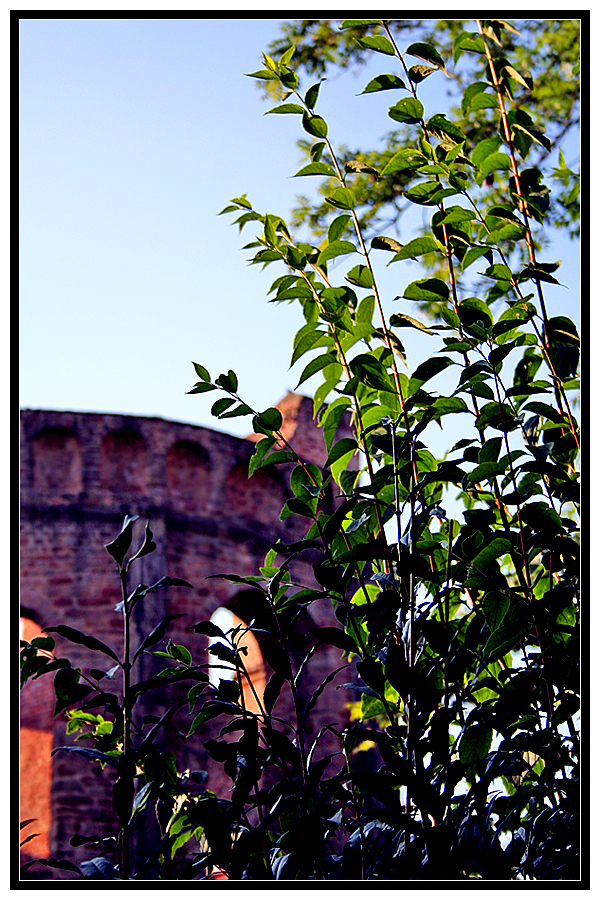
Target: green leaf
{"x":409,"y":110}
{"x":490,"y":451}
{"x":335,"y":248}
{"x":475,"y":253}
{"x":221,"y":405}
{"x":43,"y":643}
{"x":341,"y":448}
{"x":492,"y":551}
{"x":228,"y":382}
{"x":286,"y":108}
{"x":475,"y":310}
{"x":417,"y":247}
{"x":457,"y":214}
{"x":241,"y":410}
{"x":270,"y":419}
{"x":405,"y":159}
{"x":417,"y":74}
{"x":312,"y":95}
{"x":317,"y":168}
{"x":427,"y":289}
{"x":181,"y":653}
{"x":305,"y":339}
{"x":263,"y":74}
{"x":201,"y":372}
{"x":371,"y":372}
{"x":484,"y":149}
{"x":342,"y":198}
{"x":536,"y":273}
{"x":484,"y":101}
{"x":427,"y":193}
{"x":360,"y":276}
{"x":366,"y":308}
{"x":279,"y":456}
{"x":377,"y":42}
{"x":427,"y":53}
{"x":495,"y":606}
{"x":467,"y":40}
{"x":401,"y":320}
{"x":506,"y":635}
{"x":315,"y":125}
{"x":316,"y":365}
{"x":357,"y":166}
{"x":332,"y":418}
{"x":384,"y":83}
{"x":440,"y":126}
{"x":201,"y":388}
{"x":395,"y":343}
{"x":541,"y":517}
{"x":446,"y":405}
{"x":427,"y":370}
{"x":262,"y":448}
{"x":286,"y":57}
{"x":385,"y":243}
{"x":496,"y":415}
{"x":510,"y":72}
{"x":486,"y":470}
{"x":337,"y":227}
{"x":358,"y":23}
{"x":494,"y":162}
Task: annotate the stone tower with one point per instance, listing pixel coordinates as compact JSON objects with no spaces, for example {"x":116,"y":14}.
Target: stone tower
{"x":81,"y":473}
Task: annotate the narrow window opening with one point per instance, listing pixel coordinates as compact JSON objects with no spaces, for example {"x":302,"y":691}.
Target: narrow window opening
{"x":240,"y":637}
{"x":35,"y":738}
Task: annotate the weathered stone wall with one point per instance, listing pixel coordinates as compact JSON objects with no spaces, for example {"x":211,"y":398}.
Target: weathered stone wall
{"x":81,"y":473}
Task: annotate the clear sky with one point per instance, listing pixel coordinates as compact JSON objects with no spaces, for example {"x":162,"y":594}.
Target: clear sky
{"x":134,"y":134}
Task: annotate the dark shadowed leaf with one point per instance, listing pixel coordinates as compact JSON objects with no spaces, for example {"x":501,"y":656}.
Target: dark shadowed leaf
{"x":91,"y":754}
{"x":156,"y":634}
{"x":77,"y":637}
{"x":337,"y":638}
{"x":475,"y":743}
{"x":98,"y":868}
{"x":427,"y":289}
{"x":119,"y":547}
{"x":427,"y":53}
{"x":60,"y":864}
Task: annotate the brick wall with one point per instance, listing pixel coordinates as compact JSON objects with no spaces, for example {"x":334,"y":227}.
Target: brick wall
{"x":80,"y":474}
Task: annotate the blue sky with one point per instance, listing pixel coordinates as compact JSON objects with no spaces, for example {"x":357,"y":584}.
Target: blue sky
{"x":134,"y":134}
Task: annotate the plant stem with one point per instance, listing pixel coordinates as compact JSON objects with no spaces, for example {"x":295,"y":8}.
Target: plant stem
{"x":125,"y":853}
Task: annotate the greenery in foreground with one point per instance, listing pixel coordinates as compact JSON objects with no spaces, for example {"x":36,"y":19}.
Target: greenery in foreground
{"x":462,"y":633}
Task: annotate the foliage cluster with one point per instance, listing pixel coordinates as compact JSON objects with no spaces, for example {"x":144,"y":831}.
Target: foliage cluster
{"x":462,"y":632}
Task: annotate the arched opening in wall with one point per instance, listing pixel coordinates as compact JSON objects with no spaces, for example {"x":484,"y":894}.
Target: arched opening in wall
{"x":260,"y":497}
{"x":187,"y":476}
{"x":57,"y":463}
{"x":123,"y":462}
{"x":238,"y":636}
{"x":35,"y":739}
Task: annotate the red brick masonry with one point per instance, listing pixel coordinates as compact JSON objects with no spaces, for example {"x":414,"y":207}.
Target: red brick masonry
{"x":80,"y":474}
